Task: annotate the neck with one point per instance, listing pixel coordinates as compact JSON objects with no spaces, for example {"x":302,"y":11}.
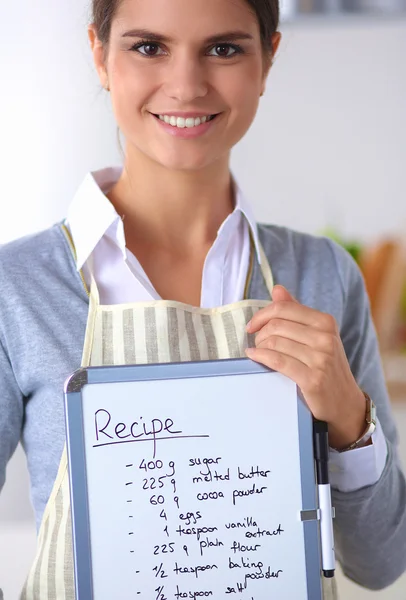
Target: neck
{"x":172,"y":210}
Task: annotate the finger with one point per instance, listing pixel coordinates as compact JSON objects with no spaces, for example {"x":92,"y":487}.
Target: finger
{"x":292,"y":311}
{"x":303,"y":334}
{"x":290,"y":348}
{"x":282,"y":363}
{"x":280,"y":293}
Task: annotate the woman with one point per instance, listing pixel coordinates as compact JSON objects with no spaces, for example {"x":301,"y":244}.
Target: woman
{"x":185,"y":81}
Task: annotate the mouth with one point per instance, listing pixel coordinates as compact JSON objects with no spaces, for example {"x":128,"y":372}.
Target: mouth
{"x":182,"y":122}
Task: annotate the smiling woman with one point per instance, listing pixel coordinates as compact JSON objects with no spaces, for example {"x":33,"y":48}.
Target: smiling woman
{"x":177,"y":269}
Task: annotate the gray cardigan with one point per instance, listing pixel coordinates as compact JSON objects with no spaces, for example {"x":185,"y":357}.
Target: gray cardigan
{"x":43,"y":313}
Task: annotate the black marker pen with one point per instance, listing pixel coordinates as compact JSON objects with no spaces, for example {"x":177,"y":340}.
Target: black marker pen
{"x":321,"y":454}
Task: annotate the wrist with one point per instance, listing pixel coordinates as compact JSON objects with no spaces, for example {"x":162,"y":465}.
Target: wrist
{"x":350,"y":428}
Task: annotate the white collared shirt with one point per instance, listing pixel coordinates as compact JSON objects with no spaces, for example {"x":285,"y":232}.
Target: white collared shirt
{"x":97,"y":230}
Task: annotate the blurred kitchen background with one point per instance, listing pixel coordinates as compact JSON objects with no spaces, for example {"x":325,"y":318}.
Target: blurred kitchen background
{"x":327,"y":154}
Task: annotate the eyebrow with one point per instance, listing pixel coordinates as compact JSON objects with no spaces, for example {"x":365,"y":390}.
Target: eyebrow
{"x":229,"y":36}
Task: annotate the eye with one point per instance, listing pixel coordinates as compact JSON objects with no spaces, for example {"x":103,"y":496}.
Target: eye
{"x":147,"y":49}
{"x":223,"y":50}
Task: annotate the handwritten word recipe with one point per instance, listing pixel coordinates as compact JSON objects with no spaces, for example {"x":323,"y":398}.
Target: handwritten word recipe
{"x":193,"y":498}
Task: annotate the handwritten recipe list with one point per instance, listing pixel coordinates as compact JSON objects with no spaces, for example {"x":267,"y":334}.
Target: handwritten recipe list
{"x":194,"y":496}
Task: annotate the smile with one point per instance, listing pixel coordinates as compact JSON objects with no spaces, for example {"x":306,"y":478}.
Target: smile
{"x":182,"y":123}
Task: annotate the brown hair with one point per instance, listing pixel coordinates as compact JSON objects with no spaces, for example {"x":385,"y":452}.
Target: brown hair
{"x":267,"y":12}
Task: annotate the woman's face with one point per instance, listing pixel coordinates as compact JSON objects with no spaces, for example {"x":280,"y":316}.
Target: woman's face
{"x":184,"y":60}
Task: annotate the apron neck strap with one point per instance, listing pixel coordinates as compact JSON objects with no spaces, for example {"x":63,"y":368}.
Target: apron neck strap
{"x":266,"y":270}
{"x":94,"y":302}
{"x":263,"y":264}
{"x":94,"y":290}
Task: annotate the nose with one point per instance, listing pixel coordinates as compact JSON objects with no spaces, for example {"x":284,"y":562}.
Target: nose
{"x":186,"y":79}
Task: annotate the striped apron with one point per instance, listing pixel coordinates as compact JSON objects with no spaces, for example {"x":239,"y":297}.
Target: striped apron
{"x":139,"y":333}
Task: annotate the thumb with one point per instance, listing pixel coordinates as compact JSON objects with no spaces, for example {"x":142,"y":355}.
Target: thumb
{"x":281,"y":294}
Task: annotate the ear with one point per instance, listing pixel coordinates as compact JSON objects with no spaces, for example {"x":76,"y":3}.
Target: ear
{"x":275,"y":41}
{"x":98,"y":52}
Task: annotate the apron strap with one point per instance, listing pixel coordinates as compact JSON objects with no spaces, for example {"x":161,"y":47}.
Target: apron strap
{"x":94,"y":301}
{"x":68,"y":236}
{"x":266,"y":270}
{"x":94,"y":290}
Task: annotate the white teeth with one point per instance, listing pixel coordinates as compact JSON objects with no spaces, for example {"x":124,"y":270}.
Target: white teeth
{"x":181,"y":122}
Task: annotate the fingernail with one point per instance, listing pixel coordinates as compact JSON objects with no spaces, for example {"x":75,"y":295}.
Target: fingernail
{"x":249,"y":352}
{"x":249,"y":325}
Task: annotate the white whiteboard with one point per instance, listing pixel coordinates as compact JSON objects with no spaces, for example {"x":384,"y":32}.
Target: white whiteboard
{"x":207,"y":506}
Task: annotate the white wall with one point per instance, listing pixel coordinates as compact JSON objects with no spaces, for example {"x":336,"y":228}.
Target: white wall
{"x":328,"y":146}
{"x":329,"y":143}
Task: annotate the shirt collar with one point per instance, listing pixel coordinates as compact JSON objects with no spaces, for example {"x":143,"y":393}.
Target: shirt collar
{"x":91,"y":215}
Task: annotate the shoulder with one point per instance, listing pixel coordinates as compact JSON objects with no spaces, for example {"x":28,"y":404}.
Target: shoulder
{"x":35,"y":264}
{"x":36,"y":246}
{"x":306,"y":249}
{"x":317,"y":270}
{"x":281,"y":238}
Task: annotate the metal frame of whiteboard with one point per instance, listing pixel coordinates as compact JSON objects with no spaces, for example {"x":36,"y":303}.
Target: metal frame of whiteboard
{"x":76,"y":455}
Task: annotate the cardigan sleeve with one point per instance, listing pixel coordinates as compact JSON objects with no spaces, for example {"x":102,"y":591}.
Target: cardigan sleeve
{"x":370,"y":523}
{"x":11,"y":413}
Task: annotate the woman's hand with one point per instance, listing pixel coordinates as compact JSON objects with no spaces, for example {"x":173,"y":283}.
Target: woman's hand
{"x":305,"y":345}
